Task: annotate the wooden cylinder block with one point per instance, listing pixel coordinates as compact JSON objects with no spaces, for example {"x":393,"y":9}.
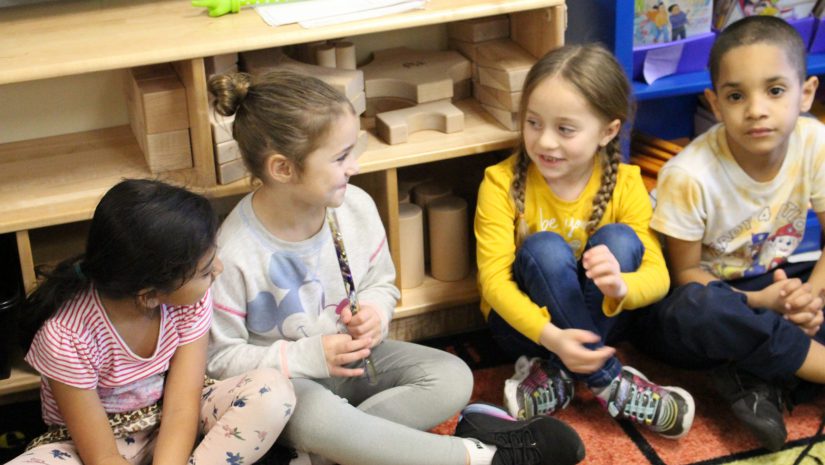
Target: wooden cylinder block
{"x":449,"y":243}
{"x":345,"y":55}
{"x":426,"y":192}
{"x":422,"y":195}
{"x":325,"y":56}
{"x":411,"y":239}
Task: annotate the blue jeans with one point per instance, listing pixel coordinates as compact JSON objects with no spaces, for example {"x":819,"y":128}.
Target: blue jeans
{"x":548,"y":272}
{"x":701,"y":327}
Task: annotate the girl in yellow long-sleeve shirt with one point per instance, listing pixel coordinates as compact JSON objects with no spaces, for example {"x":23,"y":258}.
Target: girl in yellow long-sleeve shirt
{"x":564,"y":246}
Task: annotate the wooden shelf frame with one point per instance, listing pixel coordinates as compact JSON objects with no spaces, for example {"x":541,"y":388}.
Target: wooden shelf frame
{"x":82,"y":36}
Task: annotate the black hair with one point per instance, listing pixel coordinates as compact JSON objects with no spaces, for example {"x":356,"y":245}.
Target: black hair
{"x":759,"y":30}
{"x":671,"y":7}
{"x":144,"y":234}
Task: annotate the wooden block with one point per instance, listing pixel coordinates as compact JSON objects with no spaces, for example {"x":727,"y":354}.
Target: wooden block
{"x":462,"y":89}
{"x":227,"y":151}
{"x":166,"y":151}
{"x":539,"y":31}
{"x":325,"y":55}
{"x":508,"y":81}
{"x":221,"y":64}
{"x":421,"y":76}
{"x":480,"y":29}
{"x":221,"y":126}
{"x":380,"y":105}
{"x":411,"y":238}
{"x":395,"y":126}
{"x":161,"y":70}
{"x":345,"y":55}
{"x":361,"y":143}
{"x":507,"y":119}
{"x":449,"y":244}
{"x":348,"y":82}
{"x":505,"y":55}
{"x":497,"y":98}
{"x":468,"y":49}
{"x":231,"y":172}
{"x":157,"y":102}
{"x":359,"y":103}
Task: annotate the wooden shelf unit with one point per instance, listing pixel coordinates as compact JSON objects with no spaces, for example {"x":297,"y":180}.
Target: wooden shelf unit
{"x":57,"y":180}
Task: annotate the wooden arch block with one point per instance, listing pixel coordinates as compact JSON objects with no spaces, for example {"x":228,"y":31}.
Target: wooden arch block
{"x":347,"y":81}
{"x":421,"y":76}
{"x":396,"y":126}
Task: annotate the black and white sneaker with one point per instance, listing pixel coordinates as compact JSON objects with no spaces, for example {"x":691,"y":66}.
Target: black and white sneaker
{"x":541,"y":440}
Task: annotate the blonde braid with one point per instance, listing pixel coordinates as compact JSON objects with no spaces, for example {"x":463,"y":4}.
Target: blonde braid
{"x":517,"y":189}
{"x":611,"y":157}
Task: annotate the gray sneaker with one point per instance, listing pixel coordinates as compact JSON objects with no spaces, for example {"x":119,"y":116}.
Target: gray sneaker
{"x":755,"y":402}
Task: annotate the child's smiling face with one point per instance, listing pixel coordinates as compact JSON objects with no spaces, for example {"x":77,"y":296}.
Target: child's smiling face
{"x":759,"y":96}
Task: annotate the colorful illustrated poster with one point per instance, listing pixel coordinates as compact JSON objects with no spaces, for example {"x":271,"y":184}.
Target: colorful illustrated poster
{"x":662,"y":21}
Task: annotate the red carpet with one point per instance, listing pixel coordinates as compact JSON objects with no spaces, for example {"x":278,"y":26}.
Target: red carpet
{"x":715,"y":439}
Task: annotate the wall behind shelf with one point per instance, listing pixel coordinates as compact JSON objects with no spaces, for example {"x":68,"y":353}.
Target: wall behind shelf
{"x":84,"y":102}
{"x":62,"y":105}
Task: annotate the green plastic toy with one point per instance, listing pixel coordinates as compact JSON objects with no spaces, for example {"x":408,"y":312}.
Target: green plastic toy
{"x":222,"y":7}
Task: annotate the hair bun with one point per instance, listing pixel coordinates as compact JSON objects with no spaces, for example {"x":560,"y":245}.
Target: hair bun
{"x":229,"y":90}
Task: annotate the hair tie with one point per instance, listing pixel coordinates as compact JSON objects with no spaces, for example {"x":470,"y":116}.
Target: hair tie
{"x":77,"y":271}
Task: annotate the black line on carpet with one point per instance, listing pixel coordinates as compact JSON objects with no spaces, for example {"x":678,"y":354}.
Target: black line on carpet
{"x":644,"y":447}
{"x":749,"y":454}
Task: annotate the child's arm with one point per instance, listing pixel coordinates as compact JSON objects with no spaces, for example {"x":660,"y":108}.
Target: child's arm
{"x":684,"y":259}
{"x":181,"y":403}
{"x":87,"y":423}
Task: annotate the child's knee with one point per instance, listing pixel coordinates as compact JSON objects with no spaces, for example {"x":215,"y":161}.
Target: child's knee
{"x":270,"y":392}
{"x":547,"y":248}
{"x":619,"y":238}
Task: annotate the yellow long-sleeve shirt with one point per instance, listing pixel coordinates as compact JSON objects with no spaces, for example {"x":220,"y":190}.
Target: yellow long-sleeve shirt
{"x":495,"y":223}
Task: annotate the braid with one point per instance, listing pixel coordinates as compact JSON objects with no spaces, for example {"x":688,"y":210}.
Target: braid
{"x":610,"y":167}
{"x":517,"y":189}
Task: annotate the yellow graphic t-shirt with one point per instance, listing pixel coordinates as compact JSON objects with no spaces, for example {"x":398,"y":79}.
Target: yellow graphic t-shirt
{"x":746,"y":227}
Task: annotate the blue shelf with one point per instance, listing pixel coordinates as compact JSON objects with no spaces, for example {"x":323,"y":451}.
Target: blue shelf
{"x":694,"y":83}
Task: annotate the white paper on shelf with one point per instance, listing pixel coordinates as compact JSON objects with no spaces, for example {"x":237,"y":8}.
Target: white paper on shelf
{"x":366,"y":14}
{"x":660,"y":62}
{"x":313,"y":10}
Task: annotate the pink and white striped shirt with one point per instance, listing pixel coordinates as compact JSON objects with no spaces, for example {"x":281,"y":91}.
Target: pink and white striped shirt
{"x":80,"y":346}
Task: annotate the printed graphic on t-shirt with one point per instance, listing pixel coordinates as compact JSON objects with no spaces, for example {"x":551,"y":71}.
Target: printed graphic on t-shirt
{"x":570,"y":228}
{"x":758,"y":244}
{"x":294,"y":304}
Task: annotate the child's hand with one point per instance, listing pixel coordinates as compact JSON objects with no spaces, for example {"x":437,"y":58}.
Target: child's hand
{"x":365,"y":324}
{"x":341,"y":350}
{"x":601,"y":266}
{"x":568,"y":344}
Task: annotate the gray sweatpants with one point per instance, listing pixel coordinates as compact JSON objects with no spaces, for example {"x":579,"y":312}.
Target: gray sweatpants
{"x":351,"y":422}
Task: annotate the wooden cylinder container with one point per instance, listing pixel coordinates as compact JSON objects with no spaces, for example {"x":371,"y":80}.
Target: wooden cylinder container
{"x":449,"y":243}
{"x":411,"y":239}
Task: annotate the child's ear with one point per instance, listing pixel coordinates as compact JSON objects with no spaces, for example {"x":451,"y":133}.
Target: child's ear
{"x":713,"y":100}
{"x":809,"y":92}
{"x":280,"y":168}
{"x":610,"y":132}
{"x":148,"y":298}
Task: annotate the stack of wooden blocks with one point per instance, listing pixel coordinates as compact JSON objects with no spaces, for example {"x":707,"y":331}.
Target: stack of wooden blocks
{"x":500,"y":66}
{"x":156,"y":101}
{"x":650,"y":154}
{"x":229,"y":166}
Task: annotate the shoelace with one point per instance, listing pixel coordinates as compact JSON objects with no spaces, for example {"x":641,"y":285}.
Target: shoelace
{"x":542,"y":400}
{"x":641,"y":402}
{"x":517,"y":447}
